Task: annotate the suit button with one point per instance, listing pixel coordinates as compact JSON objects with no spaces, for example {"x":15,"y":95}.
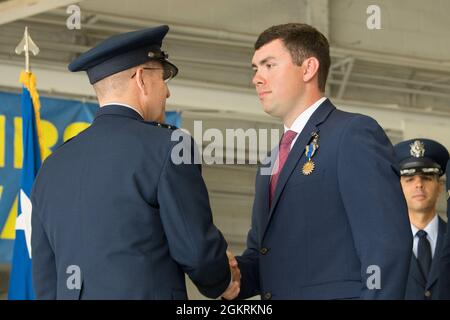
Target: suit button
{"x":263,"y":251}
{"x":267,"y":296}
{"x":428,"y":294}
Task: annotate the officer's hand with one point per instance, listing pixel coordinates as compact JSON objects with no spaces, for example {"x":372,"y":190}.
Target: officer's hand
{"x":235,"y":285}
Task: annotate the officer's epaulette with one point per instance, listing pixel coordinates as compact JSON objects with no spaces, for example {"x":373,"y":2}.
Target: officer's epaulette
{"x":63,"y":143}
{"x":161,"y":125}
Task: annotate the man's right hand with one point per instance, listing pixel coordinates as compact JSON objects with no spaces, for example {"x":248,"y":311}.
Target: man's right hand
{"x":235,"y":284}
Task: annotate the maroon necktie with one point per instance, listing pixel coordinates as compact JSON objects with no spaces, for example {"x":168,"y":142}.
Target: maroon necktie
{"x":285,"y":147}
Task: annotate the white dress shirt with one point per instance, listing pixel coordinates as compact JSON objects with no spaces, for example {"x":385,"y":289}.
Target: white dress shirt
{"x":303,"y":118}
{"x":123,"y":105}
{"x":432,"y":233}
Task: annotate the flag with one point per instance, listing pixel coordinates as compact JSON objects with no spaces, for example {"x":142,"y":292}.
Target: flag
{"x":21,"y":284}
{"x":173,"y":118}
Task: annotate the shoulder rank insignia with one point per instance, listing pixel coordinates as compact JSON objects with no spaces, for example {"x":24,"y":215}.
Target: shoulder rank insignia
{"x":162,"y":125}
{"x":310,"y":150}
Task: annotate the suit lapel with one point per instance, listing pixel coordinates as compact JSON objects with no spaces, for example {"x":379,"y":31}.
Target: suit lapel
{"x":263,"y":189}
{"x":297,"y":152}
{"x":294,"y":156}
{"x":434,"y":271}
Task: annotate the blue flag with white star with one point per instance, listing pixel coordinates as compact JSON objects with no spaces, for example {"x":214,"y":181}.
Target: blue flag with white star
{"x":21,"y":284}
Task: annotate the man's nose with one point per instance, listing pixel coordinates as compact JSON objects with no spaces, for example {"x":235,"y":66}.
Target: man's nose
{"x":419,"y":183}
{"x":257,"y":79}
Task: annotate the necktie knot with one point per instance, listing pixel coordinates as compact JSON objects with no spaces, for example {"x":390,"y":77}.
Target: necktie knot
{"x":421,"y":234}
{"x":287,"y":138}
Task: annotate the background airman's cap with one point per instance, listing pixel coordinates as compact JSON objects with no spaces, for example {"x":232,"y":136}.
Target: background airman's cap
{"x":421,"y":156}
{"x":122,"y":52}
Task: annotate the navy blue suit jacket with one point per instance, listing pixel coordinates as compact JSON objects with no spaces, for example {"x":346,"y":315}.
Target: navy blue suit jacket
{"x":326,"y":232}
{"x":111,"y":202}
{"x":419,"y":286}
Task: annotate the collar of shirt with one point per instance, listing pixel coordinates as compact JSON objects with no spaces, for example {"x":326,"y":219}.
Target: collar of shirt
{"x":432,"y":233}
{"x":303,"y":118}
{"x":123,"y":105}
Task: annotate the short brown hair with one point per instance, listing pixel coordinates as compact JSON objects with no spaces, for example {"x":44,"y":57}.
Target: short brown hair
{"x":303,"y":41}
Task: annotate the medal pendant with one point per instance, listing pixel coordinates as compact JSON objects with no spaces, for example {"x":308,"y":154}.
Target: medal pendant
{"x":308,"y":167}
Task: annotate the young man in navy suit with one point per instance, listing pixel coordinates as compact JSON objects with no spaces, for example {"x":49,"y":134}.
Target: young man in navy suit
{"x":329,"y":217}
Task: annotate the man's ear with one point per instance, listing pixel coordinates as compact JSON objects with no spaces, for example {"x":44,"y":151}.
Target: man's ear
{"x":140,"y":81}
{"x":311,"y":68}
{"x":441,"y":186}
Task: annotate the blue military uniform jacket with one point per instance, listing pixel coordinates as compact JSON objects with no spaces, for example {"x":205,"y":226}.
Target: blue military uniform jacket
{"x":444,"y":268}
{"x":426,"y":288}
{"x":328,"y":232}
{"x":112,"y":203}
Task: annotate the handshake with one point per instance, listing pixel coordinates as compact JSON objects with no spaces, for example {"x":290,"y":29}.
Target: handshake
{"x":235,"y":284}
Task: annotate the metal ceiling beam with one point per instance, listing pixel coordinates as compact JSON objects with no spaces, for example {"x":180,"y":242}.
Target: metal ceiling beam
{"x":419,"y":84}
{"x":101,"y":24}
{"x":115,"y":23}
{"x":13,"y":10}
{"x":392,"y":89}
{"x":347,"y":72}
{"x":392,"y":59}
{"x":340,"y":63}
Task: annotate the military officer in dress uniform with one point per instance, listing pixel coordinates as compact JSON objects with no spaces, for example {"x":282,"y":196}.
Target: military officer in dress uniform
{"x":422,"y":163}
{"x":113,"y":216}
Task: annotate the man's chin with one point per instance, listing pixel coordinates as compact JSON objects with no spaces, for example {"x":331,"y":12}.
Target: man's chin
{"x":273,"y":112}
{"x":269,"y":109}
{"x":422,"y":207}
